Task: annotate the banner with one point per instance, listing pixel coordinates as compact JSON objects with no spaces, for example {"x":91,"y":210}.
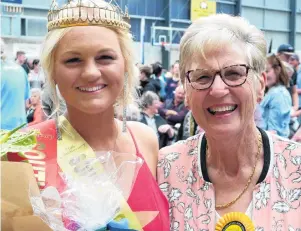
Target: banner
{"x":12,"y":1}
{"x":201,"y":8}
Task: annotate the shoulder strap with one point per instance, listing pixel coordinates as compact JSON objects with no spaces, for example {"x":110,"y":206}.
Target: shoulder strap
{"x":135,"y":143}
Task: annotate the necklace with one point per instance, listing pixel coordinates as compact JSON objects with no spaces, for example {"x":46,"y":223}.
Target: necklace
{"x":259,"y":144}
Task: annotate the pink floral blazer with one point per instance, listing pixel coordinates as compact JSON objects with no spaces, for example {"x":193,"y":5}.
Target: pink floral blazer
{"x":276,"y":199}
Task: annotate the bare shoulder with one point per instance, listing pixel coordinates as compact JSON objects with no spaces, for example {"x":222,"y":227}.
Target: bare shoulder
{"x":147,"y":143}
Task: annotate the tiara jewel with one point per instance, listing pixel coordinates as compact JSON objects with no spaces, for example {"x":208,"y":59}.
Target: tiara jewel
{"x":87,"y":13}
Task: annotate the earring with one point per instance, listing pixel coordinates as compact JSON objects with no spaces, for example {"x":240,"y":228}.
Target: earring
{"x":58,"y":132}
{"x":124,"y":102}
{"x":56,"y":114}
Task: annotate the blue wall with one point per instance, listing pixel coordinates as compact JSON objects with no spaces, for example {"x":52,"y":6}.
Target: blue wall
{"x":32,"y":22}
{"x":35,"y":12}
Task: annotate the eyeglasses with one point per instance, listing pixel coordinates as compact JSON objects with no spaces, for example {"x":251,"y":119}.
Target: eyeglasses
{"x":232,"y":76}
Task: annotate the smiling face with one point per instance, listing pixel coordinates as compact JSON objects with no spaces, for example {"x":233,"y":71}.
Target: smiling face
{"x":35,"y":98}
{"x":222,"y":109}
{"x":179,"y":94}
{"x":294,"y":62}
{"x":176,"y":69}
{"x":89,"y":69}
{"x":271,"y":76}
{"x":153,"y":109}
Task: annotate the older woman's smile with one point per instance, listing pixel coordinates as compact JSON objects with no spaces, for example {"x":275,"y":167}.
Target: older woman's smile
{"x":222,"y":109}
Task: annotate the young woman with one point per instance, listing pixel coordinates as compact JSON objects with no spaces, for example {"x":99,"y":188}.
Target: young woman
{"x":277,"y":103}
{"x":91,"y":62}
{"x":35,"y":76}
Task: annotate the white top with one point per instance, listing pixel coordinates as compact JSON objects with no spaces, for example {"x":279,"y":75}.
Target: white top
{"x":152,"y":123}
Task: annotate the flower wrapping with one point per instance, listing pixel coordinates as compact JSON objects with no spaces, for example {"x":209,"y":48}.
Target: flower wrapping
{"x":94,"y":198}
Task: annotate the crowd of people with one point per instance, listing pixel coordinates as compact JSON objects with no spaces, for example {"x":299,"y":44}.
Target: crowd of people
{"x":161,"y":102}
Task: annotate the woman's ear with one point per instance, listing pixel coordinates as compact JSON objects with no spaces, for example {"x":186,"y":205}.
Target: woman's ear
{"x":186,"y":100}
{"x":261,"y":86}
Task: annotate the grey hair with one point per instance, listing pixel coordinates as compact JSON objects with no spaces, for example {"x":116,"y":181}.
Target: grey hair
{"x":36,"y":90}
{"x":148,"y":98}
{"x":216,"y":32}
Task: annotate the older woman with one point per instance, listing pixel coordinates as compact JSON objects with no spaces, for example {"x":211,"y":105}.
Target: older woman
{"x":35,"y":113}
{"x":90,"y":61}
{"x":233,"y":166}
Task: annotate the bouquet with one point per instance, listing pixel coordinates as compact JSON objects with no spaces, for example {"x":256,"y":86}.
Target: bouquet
{"x":14,"y":143}
{"x":16,"y":179}
{"x":94,"y":198}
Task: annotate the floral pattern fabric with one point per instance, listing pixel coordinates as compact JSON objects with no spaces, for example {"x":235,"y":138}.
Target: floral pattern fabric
{"x":277,"y":199}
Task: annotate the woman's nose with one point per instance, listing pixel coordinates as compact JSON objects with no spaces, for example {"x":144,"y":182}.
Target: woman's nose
{"x":218,"y":88}
{"x":91,"y":70}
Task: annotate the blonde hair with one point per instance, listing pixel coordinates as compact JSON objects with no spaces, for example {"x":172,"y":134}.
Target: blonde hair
{"x":125,"y":41}
{"x":281,"y":69}
{"x":214,"y":33}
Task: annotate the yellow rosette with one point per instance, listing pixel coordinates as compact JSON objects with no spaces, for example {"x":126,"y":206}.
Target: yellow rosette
{"x":235,"y":221}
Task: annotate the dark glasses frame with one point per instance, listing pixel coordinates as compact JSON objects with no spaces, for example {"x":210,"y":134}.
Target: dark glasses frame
{"x":219,"y":73}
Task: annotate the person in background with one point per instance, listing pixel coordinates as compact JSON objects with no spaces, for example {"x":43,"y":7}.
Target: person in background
{"x":294,"y":123}
{"x":14,"y":93}
{"x":146,"y":82}
{"x":173,"y":82}
{"x":168,"y":73}
{"x":150,"y":103}
{"x":284,"y":52}
{"x":295,"y":63}
{"x":157,"y":75}
{"x":35,"y":113}
{"x":20,"y":57}
{"x":174,"y":110}
{"x":22,"y":61}
{"x":276,"y":104}
{"x":35,"y":77}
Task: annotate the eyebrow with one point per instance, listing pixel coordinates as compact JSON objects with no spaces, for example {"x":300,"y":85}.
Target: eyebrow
{"x":72,"y":52}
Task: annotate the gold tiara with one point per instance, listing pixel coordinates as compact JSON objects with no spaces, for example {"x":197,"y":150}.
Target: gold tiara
{"x":87,"y":13}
